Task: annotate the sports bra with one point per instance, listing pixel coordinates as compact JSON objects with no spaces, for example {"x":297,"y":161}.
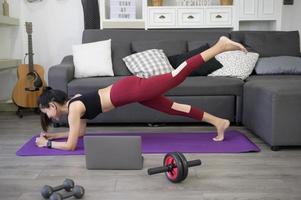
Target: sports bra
{"x":91,"y":102}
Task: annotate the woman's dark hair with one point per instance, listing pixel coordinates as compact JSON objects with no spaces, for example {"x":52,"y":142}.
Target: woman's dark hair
{"x":50,"y":95}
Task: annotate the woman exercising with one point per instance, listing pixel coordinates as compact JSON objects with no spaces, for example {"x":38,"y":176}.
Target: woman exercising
{"x":146,"y":91}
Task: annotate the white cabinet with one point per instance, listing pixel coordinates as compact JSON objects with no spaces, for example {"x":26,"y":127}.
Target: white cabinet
{"x":219,"y":17}
{"x":162,"y":17}
{"x":268,"y":9}
{"x":259,"y":9}
{"x":190,"y":17}
{"x":248,"y":9}
{"x":261,"y":12}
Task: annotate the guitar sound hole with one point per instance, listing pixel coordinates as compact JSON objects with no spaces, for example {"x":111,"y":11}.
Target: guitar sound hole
{"x":30,"y":76}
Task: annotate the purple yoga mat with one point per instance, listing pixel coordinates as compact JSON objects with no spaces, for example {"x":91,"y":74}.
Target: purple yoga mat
{"x":152,"y":143}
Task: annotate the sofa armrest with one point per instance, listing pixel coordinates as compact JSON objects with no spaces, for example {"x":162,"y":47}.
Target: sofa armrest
{"x":60,"y":75}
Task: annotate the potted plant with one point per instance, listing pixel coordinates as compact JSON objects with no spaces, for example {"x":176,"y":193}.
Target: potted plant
{"x":5,"y":8}
{"x":157,"y":2}
{"x":226,"y":2}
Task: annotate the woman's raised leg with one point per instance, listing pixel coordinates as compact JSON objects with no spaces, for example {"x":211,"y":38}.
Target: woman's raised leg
{"x":165,"y":82}
{"x":134,"y":89}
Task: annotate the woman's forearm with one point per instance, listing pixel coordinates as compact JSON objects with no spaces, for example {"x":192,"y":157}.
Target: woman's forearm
{"x":62,"y":134}
{"x":62,"y":146}
{"x":56,"y":135}
{"x":66,"y":134}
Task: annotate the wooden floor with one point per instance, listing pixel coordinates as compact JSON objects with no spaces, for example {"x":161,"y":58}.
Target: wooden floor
{"x":266,"y":175}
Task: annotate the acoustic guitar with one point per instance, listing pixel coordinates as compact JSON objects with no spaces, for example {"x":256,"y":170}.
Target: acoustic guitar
{"x":30,"y":82}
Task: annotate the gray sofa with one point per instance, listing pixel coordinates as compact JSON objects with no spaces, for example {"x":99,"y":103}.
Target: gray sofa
{"x":226,"y":97}
{"x":272,"y":103}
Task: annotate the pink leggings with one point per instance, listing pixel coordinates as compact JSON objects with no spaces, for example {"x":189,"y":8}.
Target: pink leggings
{"x":149,"y":91}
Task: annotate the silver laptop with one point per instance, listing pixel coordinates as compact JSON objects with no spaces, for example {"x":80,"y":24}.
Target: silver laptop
{"x":113,"y":152}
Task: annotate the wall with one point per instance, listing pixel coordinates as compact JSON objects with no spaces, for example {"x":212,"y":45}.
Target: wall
{"x":291,"y":17}
{"x":11,"y":46}
{"x":58,"y":24}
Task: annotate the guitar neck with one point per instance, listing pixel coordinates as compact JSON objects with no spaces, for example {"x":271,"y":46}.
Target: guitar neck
{"x":30,"y":53}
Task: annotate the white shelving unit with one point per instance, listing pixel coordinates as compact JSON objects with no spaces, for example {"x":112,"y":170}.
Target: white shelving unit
{"x":266,"y":13}
{"x":4,"y":20}
{"x":9,"y":63}
{"x":8,"y":78}
{"x":190,"y":17}
{"x":8,"y":69}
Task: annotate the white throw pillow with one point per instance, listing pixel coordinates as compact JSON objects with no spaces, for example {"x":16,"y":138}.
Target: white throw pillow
{"x":148,"y":63}
{"x":236,"y":64}
{"x":93,"y":59}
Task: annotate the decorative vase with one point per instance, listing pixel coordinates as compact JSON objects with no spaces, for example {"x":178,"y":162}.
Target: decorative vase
{"x":226,"y":2}
{"x":5,"y":8}
{"x":157,"y":2}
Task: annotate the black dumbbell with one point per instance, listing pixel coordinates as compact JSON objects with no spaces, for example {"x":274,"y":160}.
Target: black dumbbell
{"x":77,"y":192}
{"x":47,"y":190}
{"x":175,"y":167}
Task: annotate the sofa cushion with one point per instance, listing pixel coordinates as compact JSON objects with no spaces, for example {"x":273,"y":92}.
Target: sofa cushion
{"x":236,"y":64}
{"x":276,"y":86}
{"x":148,"y":63}
{"x":279,"y":65}
{"x":93,"y":59}
{"x":270,"y":43}
{"x":205,"y":85}
{"x":170,"y":47}
{"x":204,"y":69}
{"x":273,"y":77}
{"x":192,"y":86}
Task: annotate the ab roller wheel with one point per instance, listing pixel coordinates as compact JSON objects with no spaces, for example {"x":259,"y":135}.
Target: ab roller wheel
{"x":174,"y":172}
{"x":185,"y":165}
{"x":175,"y":167}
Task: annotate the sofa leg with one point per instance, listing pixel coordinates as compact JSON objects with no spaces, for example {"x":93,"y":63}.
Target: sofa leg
{"x":237,"y":124}
{"x":275,"y":148}
{"x":152,"y":125}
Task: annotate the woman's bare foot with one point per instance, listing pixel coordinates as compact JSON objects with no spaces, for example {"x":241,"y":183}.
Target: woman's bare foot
{"x":221,"y":126}
{"x":229,"y":45}
{"x":223,"y":44}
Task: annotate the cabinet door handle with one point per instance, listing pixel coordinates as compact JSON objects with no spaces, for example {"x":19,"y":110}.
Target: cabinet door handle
{"x":162,"y":17}
{"x":190,"y":17}
{"x":218,"y":16}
